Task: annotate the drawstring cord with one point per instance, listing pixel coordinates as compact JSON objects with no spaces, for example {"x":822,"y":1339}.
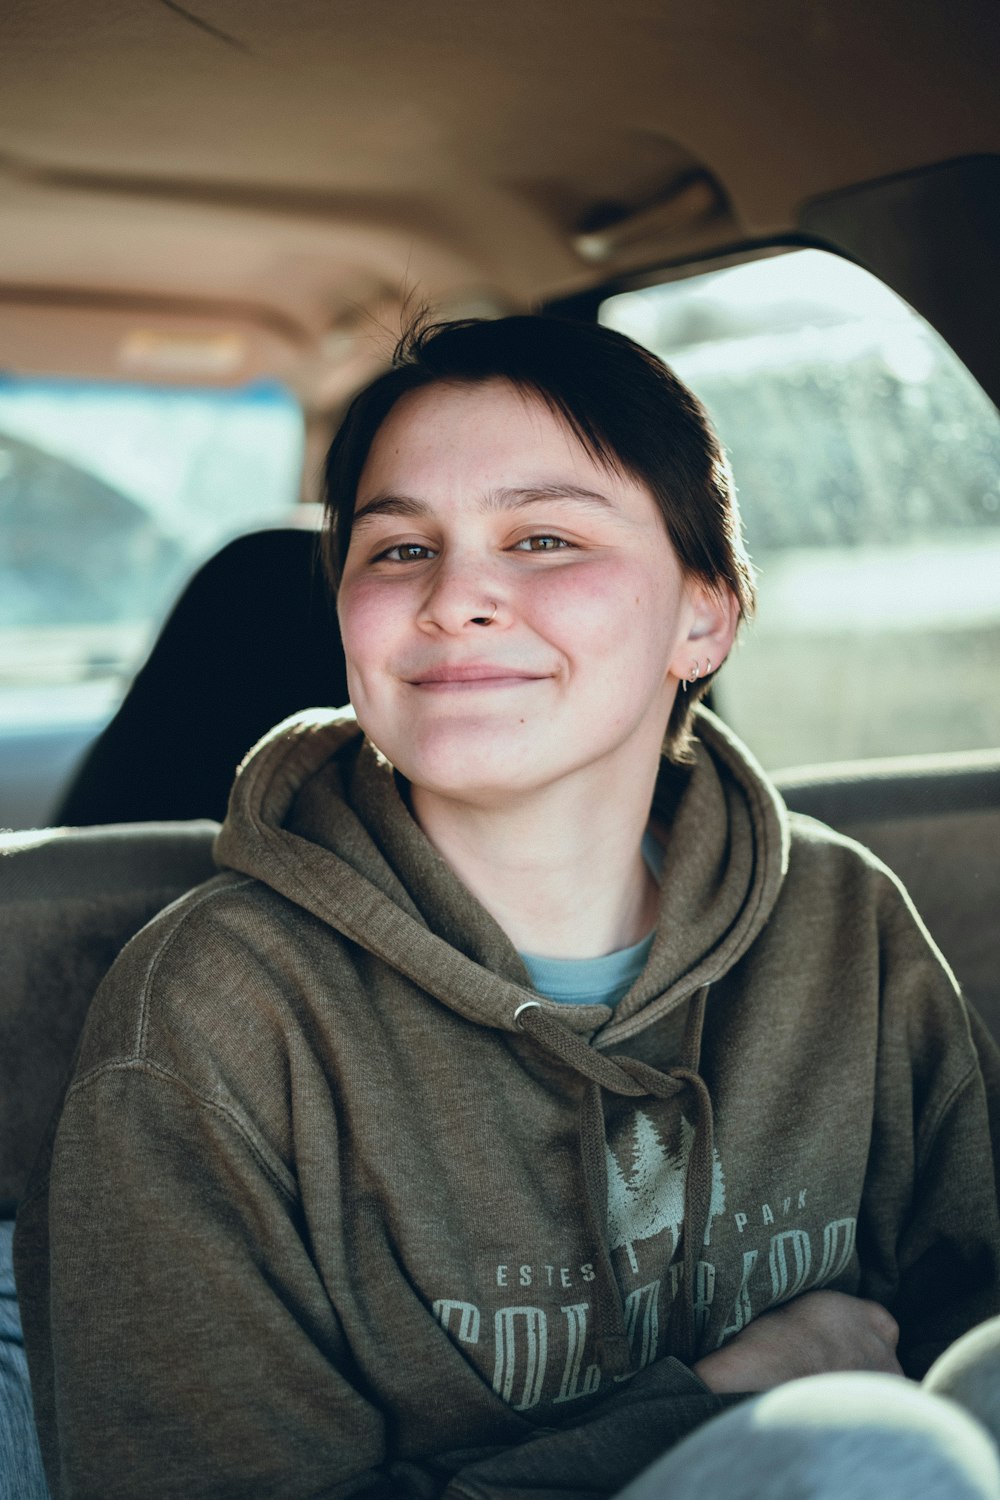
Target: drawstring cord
{"x":633,"y":1079}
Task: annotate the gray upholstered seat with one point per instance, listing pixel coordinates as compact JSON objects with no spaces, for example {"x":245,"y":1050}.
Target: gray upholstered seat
{"x":935,"y":820}
{"x":69,"y":901}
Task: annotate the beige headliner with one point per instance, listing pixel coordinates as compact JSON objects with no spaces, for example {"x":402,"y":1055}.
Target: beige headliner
{"x":279,"y":174}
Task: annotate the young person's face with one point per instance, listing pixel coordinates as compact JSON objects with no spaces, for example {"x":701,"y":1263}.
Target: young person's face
{"x":513,"y":613}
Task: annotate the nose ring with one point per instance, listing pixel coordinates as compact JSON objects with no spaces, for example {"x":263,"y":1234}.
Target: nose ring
{"x":488,"y":619}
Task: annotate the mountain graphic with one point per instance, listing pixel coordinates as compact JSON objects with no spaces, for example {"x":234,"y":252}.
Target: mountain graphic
{"x":649,"y":1197}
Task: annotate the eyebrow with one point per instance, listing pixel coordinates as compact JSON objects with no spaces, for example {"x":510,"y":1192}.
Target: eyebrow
{"x":493,"y":501}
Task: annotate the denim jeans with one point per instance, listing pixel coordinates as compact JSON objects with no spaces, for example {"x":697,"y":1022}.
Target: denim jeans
{"x":21,"y":1473}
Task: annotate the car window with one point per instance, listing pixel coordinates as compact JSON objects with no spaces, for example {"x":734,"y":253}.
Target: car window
{"x":867,"y":461}
{"x":110,"y":497}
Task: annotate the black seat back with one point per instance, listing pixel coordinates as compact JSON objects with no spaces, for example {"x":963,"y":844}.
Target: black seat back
{"x":252,"y":639}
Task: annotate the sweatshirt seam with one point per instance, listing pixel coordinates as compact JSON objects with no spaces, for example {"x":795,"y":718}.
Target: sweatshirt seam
{"x":927,"y":1137}
{"x":156,"y":1070}
{"x":164,"y":946}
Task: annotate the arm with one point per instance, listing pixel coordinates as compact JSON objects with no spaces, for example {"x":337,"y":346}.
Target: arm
{"x":167,"y":1356}
{"x":825,"y":1331}
{"x":818,"y":1333}
{"x":949,"y":1250}
{"x":929,"y":1231}
{"x":930,"y":1228}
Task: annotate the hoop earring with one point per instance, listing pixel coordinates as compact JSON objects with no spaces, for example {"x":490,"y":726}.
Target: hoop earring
{"x":695,"y":672}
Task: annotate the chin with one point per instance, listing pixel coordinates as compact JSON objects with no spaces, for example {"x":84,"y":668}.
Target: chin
{"x":481,"y":765}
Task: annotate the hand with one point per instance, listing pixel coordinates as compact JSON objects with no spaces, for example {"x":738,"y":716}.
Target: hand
{"x":817,"y":1333}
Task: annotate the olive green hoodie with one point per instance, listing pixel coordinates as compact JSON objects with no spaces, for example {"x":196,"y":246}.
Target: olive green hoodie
{"x":337,"y":1206}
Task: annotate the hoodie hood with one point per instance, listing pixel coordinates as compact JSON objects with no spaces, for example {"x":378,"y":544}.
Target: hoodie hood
{"x":317,"y":814}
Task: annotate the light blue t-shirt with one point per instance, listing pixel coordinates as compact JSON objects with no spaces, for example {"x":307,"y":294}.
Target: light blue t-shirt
{"x":596,"y":981}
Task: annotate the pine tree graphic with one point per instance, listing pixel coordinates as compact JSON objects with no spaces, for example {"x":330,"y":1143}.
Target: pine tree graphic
{"x":650,"y":1198}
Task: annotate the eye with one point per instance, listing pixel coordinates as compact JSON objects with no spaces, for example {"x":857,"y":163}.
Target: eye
{"x":405,"y":552}
{"x":541,"y":543}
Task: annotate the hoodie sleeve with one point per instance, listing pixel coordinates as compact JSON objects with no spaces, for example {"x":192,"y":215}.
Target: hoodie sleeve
{"x":931,"y":1233}
{"x":169,"y":1356}
{"x":600,"y":1455}
{"x":949,"y":1252}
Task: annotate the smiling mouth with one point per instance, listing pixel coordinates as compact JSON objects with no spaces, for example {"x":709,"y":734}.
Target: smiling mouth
{"x":456,"y":679}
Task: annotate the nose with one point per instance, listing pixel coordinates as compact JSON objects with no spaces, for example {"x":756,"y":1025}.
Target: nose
{"x":463,"y":594}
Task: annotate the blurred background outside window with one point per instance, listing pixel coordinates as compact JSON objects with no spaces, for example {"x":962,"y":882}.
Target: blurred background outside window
{"x":110,"y":498}
{"x":867,"y":461}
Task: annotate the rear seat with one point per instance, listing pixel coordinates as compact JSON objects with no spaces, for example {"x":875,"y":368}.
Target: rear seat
{"x":71,"y":898}
{"x":935,"y":820}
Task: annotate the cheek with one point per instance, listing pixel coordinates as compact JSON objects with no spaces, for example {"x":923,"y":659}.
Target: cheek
{"x":368,"y":625}
{"x":608,"y":614}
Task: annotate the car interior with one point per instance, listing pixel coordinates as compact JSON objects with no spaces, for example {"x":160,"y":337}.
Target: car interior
{"x":215,"y":219}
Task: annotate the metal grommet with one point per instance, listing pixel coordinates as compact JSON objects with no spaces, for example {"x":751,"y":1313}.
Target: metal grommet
{"x":527,"y":1005}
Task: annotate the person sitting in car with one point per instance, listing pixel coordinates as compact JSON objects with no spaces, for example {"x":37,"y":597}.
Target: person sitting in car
{"x":530,"y":1085}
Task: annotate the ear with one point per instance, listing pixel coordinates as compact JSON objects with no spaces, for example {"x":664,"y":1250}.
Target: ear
{"x":713,"y":615}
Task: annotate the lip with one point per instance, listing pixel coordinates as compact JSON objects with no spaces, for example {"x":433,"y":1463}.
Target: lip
{"x":472,"y":674}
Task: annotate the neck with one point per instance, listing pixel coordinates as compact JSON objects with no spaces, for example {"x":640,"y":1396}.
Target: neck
{"x":561,"y":871}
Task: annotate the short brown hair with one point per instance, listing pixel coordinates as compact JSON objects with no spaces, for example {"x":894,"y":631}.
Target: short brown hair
{"x":625,"y":406}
